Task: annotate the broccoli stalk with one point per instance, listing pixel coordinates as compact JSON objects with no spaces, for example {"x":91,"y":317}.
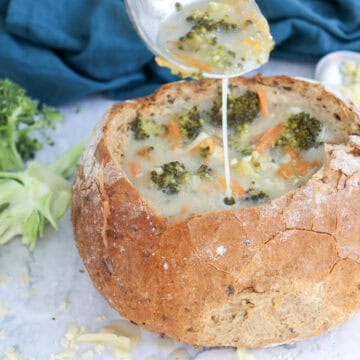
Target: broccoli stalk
{"x":20,"y":117}
{"x":31,"y":198}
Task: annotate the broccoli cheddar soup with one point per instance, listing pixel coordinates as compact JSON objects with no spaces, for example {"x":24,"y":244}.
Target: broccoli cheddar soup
{"x":221,"y":37}
{"x":176,"y":160}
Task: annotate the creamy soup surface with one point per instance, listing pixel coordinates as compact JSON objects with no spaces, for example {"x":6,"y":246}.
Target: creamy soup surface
{"x":221,"y":37}
{"x":177,"y":162}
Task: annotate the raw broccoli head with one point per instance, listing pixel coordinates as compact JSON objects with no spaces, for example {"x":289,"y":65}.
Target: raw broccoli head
{"x":144,"y":128}
{"x":27,"y":146}
{"x":204,"y":172}
{"x":301,"y":132}
{"x":190,"y":123}
{"x":20,"y":119}
{"x":241,"y":110}
{"x":170,"y":178}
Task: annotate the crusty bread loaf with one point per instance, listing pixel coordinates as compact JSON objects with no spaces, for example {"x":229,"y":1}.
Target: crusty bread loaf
{"x":287,"y":269}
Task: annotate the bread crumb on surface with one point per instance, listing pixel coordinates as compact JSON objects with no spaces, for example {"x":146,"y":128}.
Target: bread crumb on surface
{"x":165,"y":343}
{"x":4,"y":279}
{"x":119,"y":336}
{"x":242,"y":354}
{"x":3,"y":334}
{"x":87,"y":355}
{"x":64,"y":304}
{"x":24,"y":279}
{"x":151,"y":357}
{"x":101,"y":318}
{"x":179,"y":354}
{"x":11,"y":354}
{"x":4,"y":310}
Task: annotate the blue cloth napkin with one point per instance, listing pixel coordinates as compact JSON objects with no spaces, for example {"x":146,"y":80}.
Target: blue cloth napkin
{"x":308,"y":29}
{"x":63,"y":50}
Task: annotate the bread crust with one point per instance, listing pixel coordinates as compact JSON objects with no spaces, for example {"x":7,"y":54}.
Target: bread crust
{"x":290,"y":269}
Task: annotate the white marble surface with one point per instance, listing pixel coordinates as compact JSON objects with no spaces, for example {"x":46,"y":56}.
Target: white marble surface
{"x":47,"y":290}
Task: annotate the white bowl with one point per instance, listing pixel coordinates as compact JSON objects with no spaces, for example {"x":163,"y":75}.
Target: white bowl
{"x":328,"y":69}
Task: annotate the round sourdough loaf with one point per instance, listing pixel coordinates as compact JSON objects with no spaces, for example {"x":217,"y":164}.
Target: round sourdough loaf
{"x":275,"y":273}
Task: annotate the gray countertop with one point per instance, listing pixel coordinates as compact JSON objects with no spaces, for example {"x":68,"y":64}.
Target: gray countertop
{"x":44,"y":292}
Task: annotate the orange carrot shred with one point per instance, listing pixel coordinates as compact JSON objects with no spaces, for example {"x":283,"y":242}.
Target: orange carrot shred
{"x":208,"y":142}
{"x":145,"y":152}
{"x":198,"y":64}
{"x":269,"y":138}
{"x":222,"y":182}
{"x":135,"y":169}
{"x":236,"y":187}
{"x":297,"y":167}
{"x":293,"y":154}
{"x":264,"y":105}
{"x":174,"y":134}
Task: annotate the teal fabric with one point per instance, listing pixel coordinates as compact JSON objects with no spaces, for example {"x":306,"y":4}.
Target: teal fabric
{"x":309,"y":29}
{"x":66,"y":49}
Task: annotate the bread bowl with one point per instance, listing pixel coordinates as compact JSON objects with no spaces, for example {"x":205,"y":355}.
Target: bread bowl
{"x":249,"y":277}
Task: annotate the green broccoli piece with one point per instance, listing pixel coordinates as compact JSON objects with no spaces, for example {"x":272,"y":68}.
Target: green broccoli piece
{"x":256,"y":196}
{"x":190,"y":123}
{"x":237,"y":141}
{"x":204,"y":33}
{"x":170,"y":178}
{"x":301,"y":132}
{"x":20,"y":119}
{"x":144,"y":128}
{"x":30,"y":198}
{"x":203,"y":22}
{"x":204,"y":172}
{"x":241,"y":110}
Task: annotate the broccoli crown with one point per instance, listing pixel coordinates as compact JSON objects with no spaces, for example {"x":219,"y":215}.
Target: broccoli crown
{"x":144,"y":128}
{"x":301,"y":132}
{"x":20,"y":117}
{"x":203,"y":34}
{"x":204,"y":22}
{"x":256,"y":196}
{"x":241,"y":110}
{"x":204,"y":172}
{"x":27,"y":146}
{"x":190,"y":123}
{"x":170,"y":178}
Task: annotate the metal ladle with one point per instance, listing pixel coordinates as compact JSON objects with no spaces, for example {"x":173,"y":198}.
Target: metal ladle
{"x":148,"y":15}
